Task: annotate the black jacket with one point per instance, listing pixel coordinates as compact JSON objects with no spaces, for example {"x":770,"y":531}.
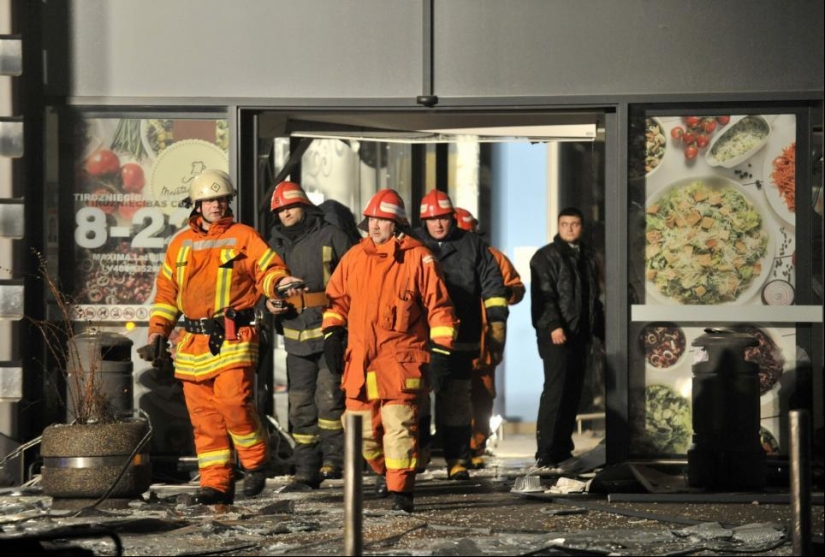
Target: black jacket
{"x":312,"y":256}
{"x":556,"y":291}
{"x":472,"y":277}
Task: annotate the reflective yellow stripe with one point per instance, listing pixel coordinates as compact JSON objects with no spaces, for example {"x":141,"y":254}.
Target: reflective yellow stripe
{"x":495,"y":302}
{"x":413,"y":383}
{"x":373,"y":455}
{"x":309,"y":334}
{"x":441,"y":350}
{"x":263,"y":262}
{"x":214,"y":458}
{"x":304,"y":439}
{"x":330,"y":425}
{"x":232,"y":355}
{"x":246,"y":440}
{"x":372,"y":385}
{"x":166,"y":271}
{"x":166,"y":311}
{"x":442,"y":331}
{"x":182,"y":259}
{"x":224,"y":280}
{"x":333,"y":315}
{"x":400,"y":463}
{"x":326,"y":259}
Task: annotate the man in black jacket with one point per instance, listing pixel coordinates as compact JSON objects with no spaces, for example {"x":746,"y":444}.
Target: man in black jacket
{"x":566,"y":313}
{"x":303,"y":238}
{"x":473,"y":279}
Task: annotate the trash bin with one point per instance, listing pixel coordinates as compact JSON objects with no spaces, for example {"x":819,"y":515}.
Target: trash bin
{"x":726,"y":452}
{"x":99,"y":375}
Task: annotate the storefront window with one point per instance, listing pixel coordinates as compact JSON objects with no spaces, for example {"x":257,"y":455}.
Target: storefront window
{"x":718,"y":226}
{"x":130,"y":176}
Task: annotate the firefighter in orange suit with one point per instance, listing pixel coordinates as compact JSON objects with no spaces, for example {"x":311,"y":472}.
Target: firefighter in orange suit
{"x":483,"y":381}
{"x":388,"y":298}
{"x":213,"y":275}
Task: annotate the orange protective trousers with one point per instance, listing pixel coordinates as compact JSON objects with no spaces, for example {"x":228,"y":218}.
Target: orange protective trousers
{"x":390,"y":439}
{"x":223,"y":414}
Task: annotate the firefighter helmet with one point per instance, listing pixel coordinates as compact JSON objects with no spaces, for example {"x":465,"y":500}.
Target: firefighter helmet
{"x":387,"y":204}
{"x":210,"y":184}
{"x":465,"y":219}
{"x":286,"y":194}
{"x":436,"y":204}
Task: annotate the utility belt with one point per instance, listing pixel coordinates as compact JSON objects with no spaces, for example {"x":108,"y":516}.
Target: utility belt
{"x":304,"y":300}
{"x":223,"y":325}
{"x":207,"y":325}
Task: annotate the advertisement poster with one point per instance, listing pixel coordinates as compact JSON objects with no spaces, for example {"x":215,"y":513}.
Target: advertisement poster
{"x":719,"y":214}
{"x":131,"y":178}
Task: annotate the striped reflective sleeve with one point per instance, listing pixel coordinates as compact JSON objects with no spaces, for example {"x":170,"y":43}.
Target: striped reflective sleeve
{"x":214,"y":458}
{"x":333,"y":318}
{"x":495,"y":302}
{"x":165,"y":311}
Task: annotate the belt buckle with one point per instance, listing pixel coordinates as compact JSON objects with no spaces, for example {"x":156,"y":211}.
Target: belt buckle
{"x":202,"y":325}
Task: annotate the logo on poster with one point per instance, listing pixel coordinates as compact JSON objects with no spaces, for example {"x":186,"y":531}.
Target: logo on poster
{"x":177,"y":166}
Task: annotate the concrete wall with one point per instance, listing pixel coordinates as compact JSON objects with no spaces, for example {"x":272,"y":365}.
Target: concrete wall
{"x":286,"y":52}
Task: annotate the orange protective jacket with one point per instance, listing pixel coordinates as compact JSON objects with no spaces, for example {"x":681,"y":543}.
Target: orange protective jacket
{"x":515,"y":290}
{"x":391,"y":298}
{"x":205,"y":272}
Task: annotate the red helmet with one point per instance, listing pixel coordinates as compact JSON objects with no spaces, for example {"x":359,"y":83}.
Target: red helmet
{"x":286,"y":194}
{"x":435,"y":204}
{"x":465,"y":219}
{"x":387,"y":204}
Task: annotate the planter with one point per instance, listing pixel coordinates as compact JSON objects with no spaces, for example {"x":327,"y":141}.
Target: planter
{"x":83,"y":461}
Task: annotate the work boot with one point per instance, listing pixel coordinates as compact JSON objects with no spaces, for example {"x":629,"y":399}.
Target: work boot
{"x":331,"y":472}
{"x":381,"y":490}
{"x":254,"y":482}
{"x":457,"y":471}
{"x":300,"y":483}
{"x":477,"y":463}
{"x":212,"y":496}
{"x":402,"y":501}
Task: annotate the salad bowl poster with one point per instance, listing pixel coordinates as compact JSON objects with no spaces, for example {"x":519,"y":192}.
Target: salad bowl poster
{"x":131,"y":176}
{"x":719,"y":208}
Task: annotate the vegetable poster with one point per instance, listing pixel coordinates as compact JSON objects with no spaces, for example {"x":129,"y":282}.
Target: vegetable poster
{"x":130,"y":180}
{"x":719,"y":230}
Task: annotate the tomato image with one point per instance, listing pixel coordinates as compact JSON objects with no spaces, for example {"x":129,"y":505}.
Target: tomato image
{"x":677,"y":132}
{"x":701,"y":141}
{"x":102,"y":162}
{"x":132,"y":176}
{"x":693,"y":121}
{"x":723,"y":119}
{"x":691,"y":151}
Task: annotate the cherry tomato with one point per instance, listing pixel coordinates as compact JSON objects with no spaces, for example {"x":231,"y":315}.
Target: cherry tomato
{"x":677,"y":132}
{"x":102,"y":162}
{"x":693,"y":121}
{"x":688,"y":138}
{"x":132,"y":176}
{"x":709,"y":125}
{"x":691,"y":151}
{"x":701,"y":141}
{"x":723,"y":119}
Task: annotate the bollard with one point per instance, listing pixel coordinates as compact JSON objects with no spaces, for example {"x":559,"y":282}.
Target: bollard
{"x":800,"y":452}
{"x":353,"y":486}
{"x":726,"y":451}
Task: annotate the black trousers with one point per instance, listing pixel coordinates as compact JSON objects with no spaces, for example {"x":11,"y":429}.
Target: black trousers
{"x":316,"y":403}
{"x":565,"y":368}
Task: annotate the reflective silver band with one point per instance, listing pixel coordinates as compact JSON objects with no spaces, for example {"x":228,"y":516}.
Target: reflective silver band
{"x":92,"y":461}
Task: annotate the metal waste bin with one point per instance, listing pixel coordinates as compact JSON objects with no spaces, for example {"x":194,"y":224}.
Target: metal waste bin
{"x":100,"y":367}
{"x":726,"y":452}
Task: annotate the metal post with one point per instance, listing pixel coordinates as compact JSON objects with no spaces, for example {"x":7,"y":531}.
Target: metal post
{"x":353,"y":483}
{"x":800,"y":452}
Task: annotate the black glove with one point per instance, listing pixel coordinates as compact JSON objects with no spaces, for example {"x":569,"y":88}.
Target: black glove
{"x":439,"y":368}
{"x":335,"y":339}
{"x":157,"y":352}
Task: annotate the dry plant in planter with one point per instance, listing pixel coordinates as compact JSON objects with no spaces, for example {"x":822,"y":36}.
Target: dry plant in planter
{"x":103,"y":453}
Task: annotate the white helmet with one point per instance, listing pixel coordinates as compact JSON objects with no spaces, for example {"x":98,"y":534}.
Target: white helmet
{"x":209,"y":184}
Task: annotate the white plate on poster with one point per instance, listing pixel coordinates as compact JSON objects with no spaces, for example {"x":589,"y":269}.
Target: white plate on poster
{"x":784,"y":135}
{"x":766,"y":261}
